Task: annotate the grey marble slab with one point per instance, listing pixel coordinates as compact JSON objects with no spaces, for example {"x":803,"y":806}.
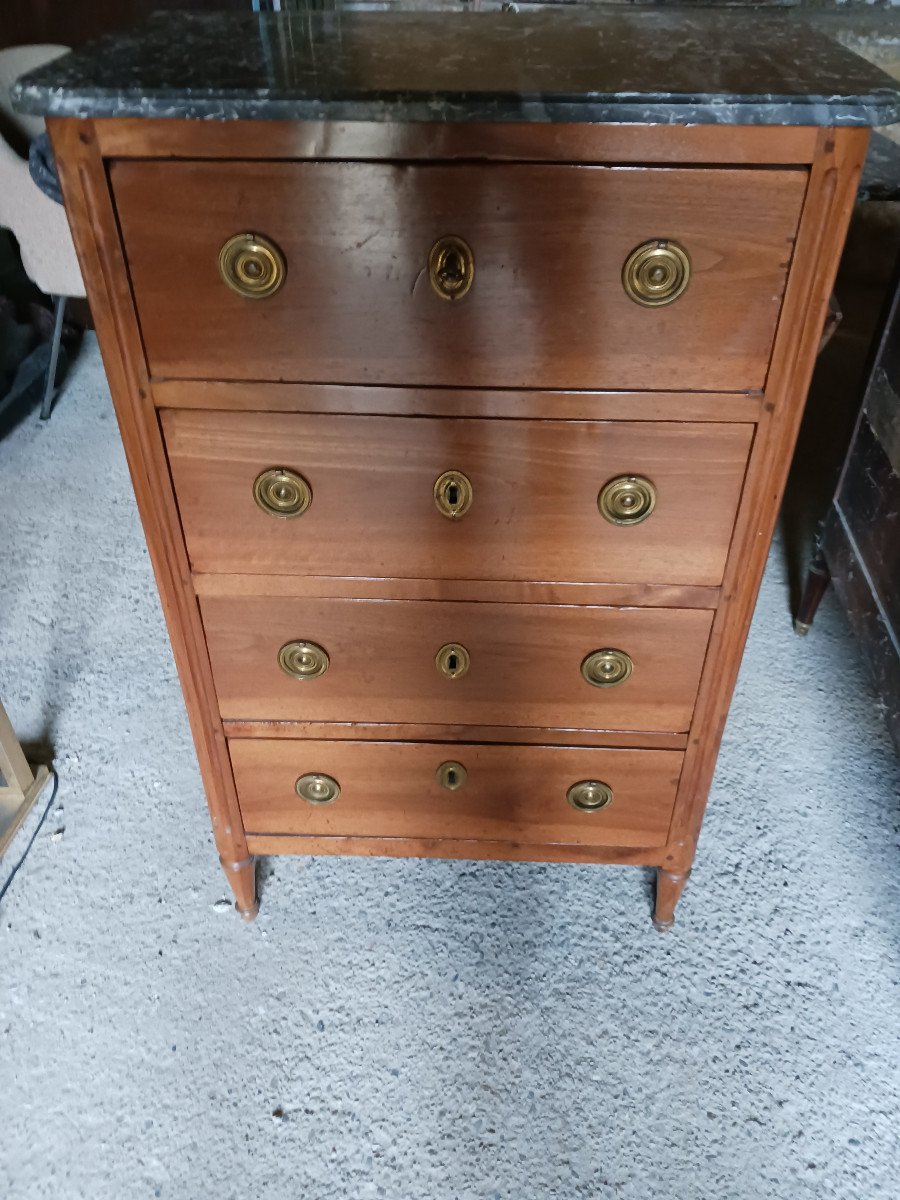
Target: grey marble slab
{"x":428,"y":63}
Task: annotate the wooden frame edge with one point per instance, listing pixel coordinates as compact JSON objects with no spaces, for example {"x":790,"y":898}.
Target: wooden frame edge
{"x":831,"y":193}
{"x":725,"y":145}
{"x":453,"y":848}
{"x":97,"y":241}
{"x":514,"y":735}
{"x":600,"y":595}
{"x":723,"y":408}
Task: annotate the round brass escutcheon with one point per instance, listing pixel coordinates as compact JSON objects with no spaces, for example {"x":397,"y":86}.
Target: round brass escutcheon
{"x":656,"y":273}
{"x":590,"y":795}
{"x":317,"y":789}
{"x":303,"y":660}
{"x":282,"y":493}
{"x":451,"y":267}
{"x":607,"y":668}
{"x":453,"y":494}
{"x":452,"y":775}
{"x":627,"y":500}
{"x":252,"y":266}
{"x":452,"y":660}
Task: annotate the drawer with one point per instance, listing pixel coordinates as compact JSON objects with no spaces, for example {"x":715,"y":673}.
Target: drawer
{"x":515,"y":664}
{"x":525,"y":794}
{"x":538,"y":492}
{"x":546,"y":305}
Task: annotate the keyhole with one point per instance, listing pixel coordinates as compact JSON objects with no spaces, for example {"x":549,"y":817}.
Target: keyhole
{"x":452,"y":267}
{"x":451,"y":777}
{"x":453,"y":494}
{"x":452,"y":662}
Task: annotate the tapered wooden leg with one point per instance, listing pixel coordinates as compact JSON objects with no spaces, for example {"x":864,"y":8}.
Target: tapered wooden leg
{"x":669,"y":886}
{"x":817,"y":581}
{"x":242,"y":877}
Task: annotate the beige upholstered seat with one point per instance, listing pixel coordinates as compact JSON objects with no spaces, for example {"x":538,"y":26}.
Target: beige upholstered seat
{"x":38,"y":223}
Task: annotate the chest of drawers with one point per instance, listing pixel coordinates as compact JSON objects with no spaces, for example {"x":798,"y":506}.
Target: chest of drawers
{"x":458,"y":445}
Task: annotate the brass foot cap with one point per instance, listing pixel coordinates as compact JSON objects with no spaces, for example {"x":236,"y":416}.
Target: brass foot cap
{"x":801,"y":628}
{"x":248,"y":914}
{"x":662,"y":926}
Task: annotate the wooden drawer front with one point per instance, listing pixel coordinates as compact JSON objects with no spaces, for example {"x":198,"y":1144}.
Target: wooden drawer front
{"x":525,"y":662}
{"x":546,"y":308}
{"x":534,"y":512}
{"x":510,"y":793}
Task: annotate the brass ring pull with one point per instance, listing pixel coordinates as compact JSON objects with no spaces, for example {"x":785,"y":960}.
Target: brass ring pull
{"x":282,"y":493}
{"x":452,"y":660}
{"x":451,"y":775}
{"x":656,"y":273}
{"x":607,"y":668}
{"x":252,"y":266}
{"x":453,"y":494}
{"x":303,"y":660}
{"x":451,"y":267}
{"x":627,"y":500}
{"x":590,"y":795}
{"x":317,"y":789}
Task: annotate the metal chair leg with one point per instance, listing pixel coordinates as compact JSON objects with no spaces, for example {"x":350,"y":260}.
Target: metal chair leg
{"x":59,"y":309}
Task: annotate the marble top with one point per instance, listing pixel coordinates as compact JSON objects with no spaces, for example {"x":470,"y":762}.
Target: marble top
{"x":444,"y":62}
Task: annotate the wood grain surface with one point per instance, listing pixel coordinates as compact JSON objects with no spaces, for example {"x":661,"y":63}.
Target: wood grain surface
{"x":534,"y":514}
{"x":627,"y":739}
{"x":141,"y":137}
{"x":547,"y":307}
{"x":620,"y":595}
{"x":525,"y":662}
{"x":520,"y":404}
{"x":515,"y":793}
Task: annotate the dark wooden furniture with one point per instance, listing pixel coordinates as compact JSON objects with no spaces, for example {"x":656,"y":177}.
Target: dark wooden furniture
{"x":859,"y":547}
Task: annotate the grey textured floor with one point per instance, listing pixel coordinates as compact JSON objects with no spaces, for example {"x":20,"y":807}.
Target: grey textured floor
{"x":432,"y":1030}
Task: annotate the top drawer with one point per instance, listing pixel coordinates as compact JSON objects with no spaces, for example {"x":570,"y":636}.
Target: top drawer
{"x":546,"y":305}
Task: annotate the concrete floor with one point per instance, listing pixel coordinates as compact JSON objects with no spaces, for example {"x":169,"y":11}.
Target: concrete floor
{"x":422,"y":1030}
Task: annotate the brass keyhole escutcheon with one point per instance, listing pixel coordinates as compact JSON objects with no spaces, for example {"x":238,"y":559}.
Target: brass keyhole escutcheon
{"x":453,"y":494}
{"x":656,"y":273}
{"x":607,"y":668}
{"x":452,"y":775}
{"x":627,"y":500}
{"x":303,"y":660}
{"x":452,"y":660}
{"x":451,"y":267}
{"x":282,"y":493}
{"x":317,"y":789}
{"x":590,"y":795}
{"x":252,"y":266}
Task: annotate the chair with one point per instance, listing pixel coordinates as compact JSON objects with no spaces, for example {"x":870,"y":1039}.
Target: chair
{"x":38,"y":223}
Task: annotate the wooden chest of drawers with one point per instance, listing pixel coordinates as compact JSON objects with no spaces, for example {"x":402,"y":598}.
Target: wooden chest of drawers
{"x":458,"y":456}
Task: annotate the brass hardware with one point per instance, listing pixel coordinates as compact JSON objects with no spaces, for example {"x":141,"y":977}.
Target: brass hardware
{"x":451,"y":267}
{"x":282,"y":493}
{"x":607,"y":668}
{"x":303,"y":660}
{"x":452,"y":660}
{"x":453,"y":494}
{"x":452,"y":775}
{"x":627,"y":500}
{"x":252,"y":266}
{"x":590,"y":795}
{"x":317,"y":789}
{"x":656,"y":273}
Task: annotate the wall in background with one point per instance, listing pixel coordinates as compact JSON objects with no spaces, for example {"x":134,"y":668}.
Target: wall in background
{"x":70,"y":24}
